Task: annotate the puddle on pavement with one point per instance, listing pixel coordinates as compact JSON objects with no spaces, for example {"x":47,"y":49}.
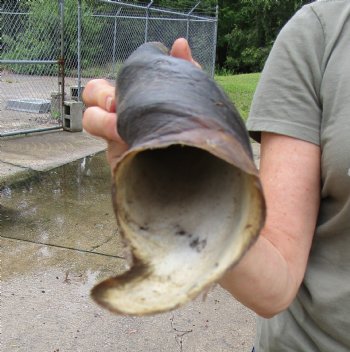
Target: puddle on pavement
{"x":46,"y":287}
{"x":68,"y":208}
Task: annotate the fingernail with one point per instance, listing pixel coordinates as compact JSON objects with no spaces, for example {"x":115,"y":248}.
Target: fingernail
{"x":109,"y":102}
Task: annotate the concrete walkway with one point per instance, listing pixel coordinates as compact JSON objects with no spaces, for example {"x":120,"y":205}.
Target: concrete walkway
{"x":21,"y":156}
{"x":60,"y":239}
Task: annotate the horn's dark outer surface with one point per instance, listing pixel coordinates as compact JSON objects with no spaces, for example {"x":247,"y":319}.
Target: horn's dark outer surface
{"x":168,"y":102}
{"x":160,"y":95}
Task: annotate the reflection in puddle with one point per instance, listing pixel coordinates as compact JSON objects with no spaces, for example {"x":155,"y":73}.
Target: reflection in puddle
{"x":69,"y":206}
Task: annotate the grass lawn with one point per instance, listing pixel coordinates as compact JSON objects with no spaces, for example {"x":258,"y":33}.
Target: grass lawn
{"x":240,"y":89}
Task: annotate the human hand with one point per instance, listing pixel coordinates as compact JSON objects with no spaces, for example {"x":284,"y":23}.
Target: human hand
{"x":100,"y":117}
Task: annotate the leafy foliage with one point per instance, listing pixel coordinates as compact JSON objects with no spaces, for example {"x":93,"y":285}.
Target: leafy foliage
{"x":37,"y":35}
{"x":247,"y":30}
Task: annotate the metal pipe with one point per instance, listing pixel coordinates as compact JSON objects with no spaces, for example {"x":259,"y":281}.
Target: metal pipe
{"x":79,"y":49}
{"x":147,"y":19}
{"x":17,"y":133}
{"x":14,"y":13}
{"x":115,"y":40}
{"x":61,"y":58}
{"x":215,"y":39}
{"x":208,"y":19}
{"x":154,"y":9}
{"x":28,"y":62}
{"x":188,"y":19}
{"x":114,"y":44}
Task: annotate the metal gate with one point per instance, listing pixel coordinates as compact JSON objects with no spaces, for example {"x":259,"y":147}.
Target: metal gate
{"x":50,"y":49}
{"x":31,"y":68}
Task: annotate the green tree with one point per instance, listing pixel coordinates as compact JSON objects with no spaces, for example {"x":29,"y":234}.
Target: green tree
{"x":36,"y":35}
{"x":247,"y":30}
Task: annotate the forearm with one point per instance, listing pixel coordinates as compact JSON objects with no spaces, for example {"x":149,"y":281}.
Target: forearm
{"x":268,"y":277}
{"x":262,"y":280}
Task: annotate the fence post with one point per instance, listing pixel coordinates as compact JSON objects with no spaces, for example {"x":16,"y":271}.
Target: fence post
{"x":61,"y":58}
{"x":147,"y":18}
{"x":79,"y":50}
{"x":188,"y":19}
{"x":115,"y":40}
{"x":215,"y":39}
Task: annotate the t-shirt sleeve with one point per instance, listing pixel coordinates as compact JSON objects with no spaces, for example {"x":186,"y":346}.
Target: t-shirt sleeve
{"x":287,"y":99}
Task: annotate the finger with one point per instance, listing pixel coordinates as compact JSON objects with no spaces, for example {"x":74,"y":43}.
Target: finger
{"x":114,"y":151}
{"x":98,"y":92}
{"x":101,"y":123}
{"x":182,"y":50}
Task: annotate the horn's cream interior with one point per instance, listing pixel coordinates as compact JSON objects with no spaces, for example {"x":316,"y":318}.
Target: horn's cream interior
{"x":188,"y":216}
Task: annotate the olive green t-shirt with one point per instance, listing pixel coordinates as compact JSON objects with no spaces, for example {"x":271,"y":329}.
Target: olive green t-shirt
{"x":304,"y":92}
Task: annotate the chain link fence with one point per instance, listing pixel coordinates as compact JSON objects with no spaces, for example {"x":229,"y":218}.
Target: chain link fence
{"x":30,"y":44}
{"x":50,"y":49}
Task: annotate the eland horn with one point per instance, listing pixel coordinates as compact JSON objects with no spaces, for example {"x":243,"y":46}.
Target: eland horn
{"x":187,"y":195}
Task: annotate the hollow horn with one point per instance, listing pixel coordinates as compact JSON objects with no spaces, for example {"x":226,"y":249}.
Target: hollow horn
{"x":186,"y":194}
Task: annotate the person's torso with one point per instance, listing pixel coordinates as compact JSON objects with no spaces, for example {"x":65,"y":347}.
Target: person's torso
{"x":318,"y":319}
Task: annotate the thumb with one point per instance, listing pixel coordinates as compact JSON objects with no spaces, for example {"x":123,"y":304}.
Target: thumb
{"x":182,"y":50}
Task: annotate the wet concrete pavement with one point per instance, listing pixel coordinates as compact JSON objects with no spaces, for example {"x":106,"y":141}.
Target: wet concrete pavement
{"x":59,"y":239}
{"x":20,"y":156}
